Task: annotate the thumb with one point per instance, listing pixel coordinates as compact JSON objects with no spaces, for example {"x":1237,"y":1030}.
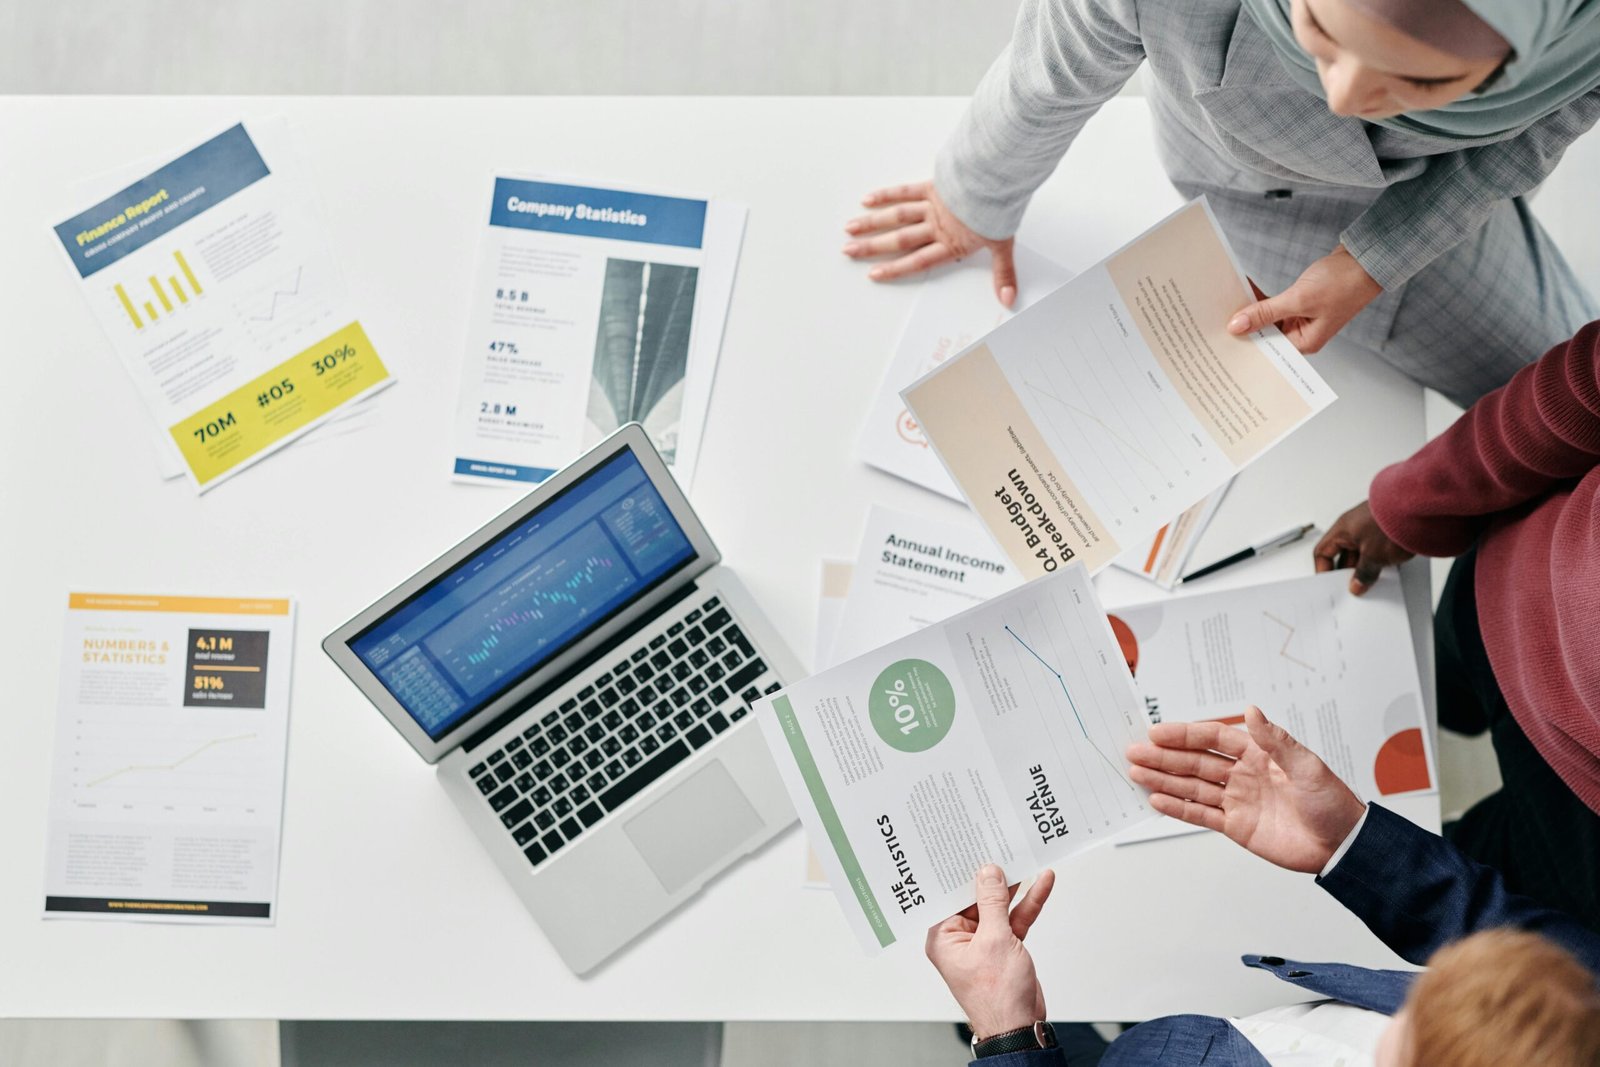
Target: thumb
{"x":994,"y":903}
{"x":1005,"y":272}
{"x":1264,"y":313}
{"x":1279,"y":745}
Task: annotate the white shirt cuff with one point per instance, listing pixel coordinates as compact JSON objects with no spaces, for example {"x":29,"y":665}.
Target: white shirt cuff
{"x":1344,"y":846}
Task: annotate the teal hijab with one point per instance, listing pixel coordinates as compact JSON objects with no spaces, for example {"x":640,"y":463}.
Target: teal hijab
{"x":1555,"y":59}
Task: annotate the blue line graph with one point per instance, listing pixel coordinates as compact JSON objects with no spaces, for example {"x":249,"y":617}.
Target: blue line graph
{"x":1073,"y":704}
{"x":545,"y":597}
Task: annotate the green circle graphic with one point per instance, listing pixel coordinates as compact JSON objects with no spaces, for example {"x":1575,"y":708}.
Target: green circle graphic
{"x":911,"y":705}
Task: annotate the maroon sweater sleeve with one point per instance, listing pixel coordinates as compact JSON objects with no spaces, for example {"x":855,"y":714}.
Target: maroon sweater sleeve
{"x":1540,"y":429}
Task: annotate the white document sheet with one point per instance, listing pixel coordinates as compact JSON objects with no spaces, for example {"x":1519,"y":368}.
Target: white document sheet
{"x":212,"y":277}
{"x":1082,"y":425}
{"x":166,"y":797}
{"x":1337,"y":671}
{"x":591,"y":307}
{"x":995,"y":736}
{"x":954,"y":307}
{"x":911,"y":572}
{"x":1163,"y":557}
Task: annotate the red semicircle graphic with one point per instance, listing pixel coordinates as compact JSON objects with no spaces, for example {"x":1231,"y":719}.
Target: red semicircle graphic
{"x":1402,"y":764}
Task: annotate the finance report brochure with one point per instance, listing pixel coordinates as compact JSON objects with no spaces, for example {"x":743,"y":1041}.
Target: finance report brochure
{"x":1082,"y":425}
{"x":1339,"y":672}
{"x":591,"y":307}
{"x":213,"y":279}
{"x":166,"y":793}
{"x":996,"y":736}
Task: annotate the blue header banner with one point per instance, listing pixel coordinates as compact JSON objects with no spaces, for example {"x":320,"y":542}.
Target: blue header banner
{"x":584,"y":212}
{"x":153,"y":206}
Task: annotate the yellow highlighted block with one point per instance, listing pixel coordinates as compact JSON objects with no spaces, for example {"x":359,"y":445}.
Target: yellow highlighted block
{"x":196,"y":605}
{"x":176,"y":288}
{"x":150,"y":309}
{"x":254,"y":418}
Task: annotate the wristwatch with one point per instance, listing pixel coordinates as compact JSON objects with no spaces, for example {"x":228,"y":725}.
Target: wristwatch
{"x":1039,"y":1035}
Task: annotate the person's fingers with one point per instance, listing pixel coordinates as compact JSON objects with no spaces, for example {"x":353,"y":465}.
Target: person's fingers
{"x":891,"y":194}
{"x":993,"y":899}
{"x":1207,"y":765}
{"x":1279,"y":745}
{"x":902,"y":240}
{"x":1028,"y":908}
{"x":922,"y":259}
{"x":1200,"y":736}
{"x":1264,"y":313}
{"x":1313,"y":335}
{"x":1198,"y":814}
{"x":1329,"y":547}
{"x":1181,"y":786}
{"x":1005,"y":272}
{"x":1368,"y":568}
{"x":888,"y":218}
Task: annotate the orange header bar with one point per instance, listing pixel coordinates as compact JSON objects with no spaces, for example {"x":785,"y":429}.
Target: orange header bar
{"x":198,"y":605}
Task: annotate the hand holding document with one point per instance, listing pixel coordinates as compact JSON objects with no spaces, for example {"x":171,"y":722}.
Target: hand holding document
{"x":171,"y":735}
{"x":213,"y":279}
{"x":591,"y":308}
{"x":1337,"y":671}
{"x":1077,"y":428}
{"x":996,"y":736}
{"x":954,"y":307}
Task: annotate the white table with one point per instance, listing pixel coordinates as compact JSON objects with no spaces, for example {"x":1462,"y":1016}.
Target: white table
{"x":387,"y":907}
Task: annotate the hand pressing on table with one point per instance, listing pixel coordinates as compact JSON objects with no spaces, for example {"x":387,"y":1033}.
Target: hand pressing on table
{"x":913,"y":224}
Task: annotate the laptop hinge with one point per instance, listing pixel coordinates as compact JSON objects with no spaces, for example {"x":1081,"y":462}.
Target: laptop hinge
{"x":581,"y":667}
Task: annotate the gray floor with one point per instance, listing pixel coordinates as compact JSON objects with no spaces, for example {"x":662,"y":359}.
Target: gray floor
{"x":498,"y":47}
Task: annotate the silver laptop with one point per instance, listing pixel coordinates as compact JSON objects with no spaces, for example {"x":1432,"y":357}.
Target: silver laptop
{"x":581,"y":670}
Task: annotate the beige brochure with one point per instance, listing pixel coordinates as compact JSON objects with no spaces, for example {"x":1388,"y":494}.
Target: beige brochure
{"x":1079,"y":427}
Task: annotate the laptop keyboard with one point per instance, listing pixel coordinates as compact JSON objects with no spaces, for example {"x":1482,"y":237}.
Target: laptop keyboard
{"x":623,"y":730}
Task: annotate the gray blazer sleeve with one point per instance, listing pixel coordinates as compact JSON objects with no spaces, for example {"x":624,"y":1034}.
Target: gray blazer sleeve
{"x":1065,"y":59}
{"x":1415,"y":221}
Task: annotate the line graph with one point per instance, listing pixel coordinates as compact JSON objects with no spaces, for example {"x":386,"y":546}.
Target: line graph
{"x":272,"y":298}
{"x":562,"y":595}
{"x":1073,"y":704}
{"x":1111,"y":431}
{"x":1289,"y":631}
{"x":174,"y":765}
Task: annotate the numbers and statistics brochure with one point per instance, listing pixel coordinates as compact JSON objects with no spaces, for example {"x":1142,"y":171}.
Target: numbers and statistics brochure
{"x":166,"y":799}
{"x":1082,"y":425}
{"x":996,"y":736}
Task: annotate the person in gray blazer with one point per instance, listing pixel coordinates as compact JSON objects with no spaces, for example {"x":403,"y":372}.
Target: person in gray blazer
{"x":1369,"y":159}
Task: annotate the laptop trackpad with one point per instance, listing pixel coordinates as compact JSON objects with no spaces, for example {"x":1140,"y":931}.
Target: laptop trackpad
{"x":693,"y":826}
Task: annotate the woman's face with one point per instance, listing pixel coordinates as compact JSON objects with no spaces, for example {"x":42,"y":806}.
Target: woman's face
{"x":1371,"y":70}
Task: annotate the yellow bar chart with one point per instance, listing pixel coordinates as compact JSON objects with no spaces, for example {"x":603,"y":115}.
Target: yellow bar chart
{"x":161,"y":292}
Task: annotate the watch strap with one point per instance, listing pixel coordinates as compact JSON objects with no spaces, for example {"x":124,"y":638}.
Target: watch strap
{"x":1039,"y":1035}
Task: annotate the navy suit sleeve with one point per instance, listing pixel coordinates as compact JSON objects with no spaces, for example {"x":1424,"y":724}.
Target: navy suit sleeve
{"x":1417,"y":892}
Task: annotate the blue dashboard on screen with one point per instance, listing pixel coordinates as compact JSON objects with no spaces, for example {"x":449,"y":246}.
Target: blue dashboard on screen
{"x":486,"y":623}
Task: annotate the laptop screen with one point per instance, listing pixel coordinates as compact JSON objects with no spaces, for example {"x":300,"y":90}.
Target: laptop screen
{"x":491,"y":620}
